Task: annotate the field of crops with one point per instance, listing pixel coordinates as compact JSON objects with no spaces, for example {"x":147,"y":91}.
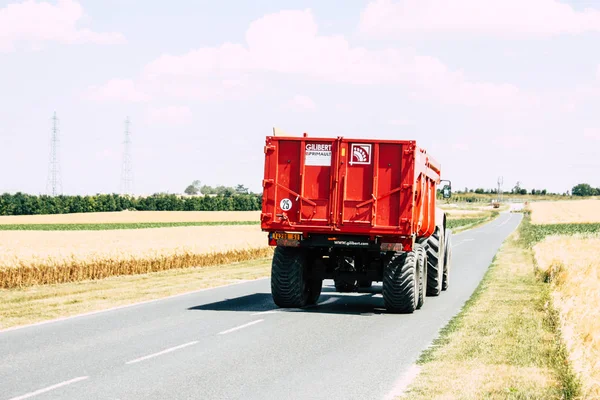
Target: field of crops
{"x":42,"y":257}
{"x":565,"y":212}
{"x":133,"y":217}
{"x":572,"y":265}
{"x":566,"y":241}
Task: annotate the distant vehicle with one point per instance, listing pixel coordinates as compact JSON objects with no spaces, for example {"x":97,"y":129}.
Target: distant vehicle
{"x":356,"y":211}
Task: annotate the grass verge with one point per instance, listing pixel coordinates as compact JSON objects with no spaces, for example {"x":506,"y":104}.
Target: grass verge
{"x":462,"y":224}
{"x":114,"y":226}
{"x":41,"y":303}
{"x":504,"y":344}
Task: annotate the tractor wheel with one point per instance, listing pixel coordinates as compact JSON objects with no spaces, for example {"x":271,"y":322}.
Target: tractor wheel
{"x":447,"y":259}
{"x":422,"y":269}
{"x":401,"y":283}
{"x":435,"y":260}
{"x":291,"y":287}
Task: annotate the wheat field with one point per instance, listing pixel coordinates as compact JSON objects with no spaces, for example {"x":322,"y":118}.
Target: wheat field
{"x":41,"y":257}
{"x":563,"y":212}
{"x":573,"y":265}
{"x":124,"y":217}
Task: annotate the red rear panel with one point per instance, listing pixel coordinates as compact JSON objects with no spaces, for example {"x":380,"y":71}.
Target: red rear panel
{"x":347,"y":185}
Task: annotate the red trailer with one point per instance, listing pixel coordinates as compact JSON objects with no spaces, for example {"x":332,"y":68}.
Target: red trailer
{"x":355,"y":211}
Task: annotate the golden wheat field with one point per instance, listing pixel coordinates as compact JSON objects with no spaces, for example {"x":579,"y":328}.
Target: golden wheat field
{"x":573,"y":264}
{"x":563,"y":212}
{"x":124,"y":217}
{"x":41,"y":257}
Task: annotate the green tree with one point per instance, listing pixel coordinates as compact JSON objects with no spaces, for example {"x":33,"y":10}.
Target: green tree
{"x":583,"y":189}
{"x":241,"y":189}
{"x":191,"y":190}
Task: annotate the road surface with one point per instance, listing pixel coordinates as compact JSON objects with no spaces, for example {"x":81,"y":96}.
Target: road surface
{"x":232,"y":342}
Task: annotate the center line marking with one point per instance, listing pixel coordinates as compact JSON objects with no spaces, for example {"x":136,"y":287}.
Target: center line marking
{"x":49,"y":388}
{"x":241,"y":327}
{"x":162,"y":352}
{"x":267,"y":312}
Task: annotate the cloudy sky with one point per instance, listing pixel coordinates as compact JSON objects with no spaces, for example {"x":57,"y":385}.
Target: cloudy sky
{"x":489,"y":88}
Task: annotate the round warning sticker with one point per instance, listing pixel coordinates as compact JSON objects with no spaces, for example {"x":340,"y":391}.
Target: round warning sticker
{"x":285,"y":204}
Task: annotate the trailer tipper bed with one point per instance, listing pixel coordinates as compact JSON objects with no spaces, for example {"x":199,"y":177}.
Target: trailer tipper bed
{"x":355,"y":211}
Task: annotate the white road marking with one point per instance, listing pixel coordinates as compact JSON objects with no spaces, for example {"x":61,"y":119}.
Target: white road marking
{"x":267,"y":312}
{"x":162,"y":352}
{"x":403,"y":382}
{"x":241,"y":327}
{"x":14,"y":328}
{"x":504,"y":223}
{"x":49,"y":388}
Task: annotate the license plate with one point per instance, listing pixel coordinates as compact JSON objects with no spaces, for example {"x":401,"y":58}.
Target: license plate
{"x":286,"y":236}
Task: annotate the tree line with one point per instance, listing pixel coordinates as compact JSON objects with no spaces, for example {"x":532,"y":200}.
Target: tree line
{"x":26,"y":204}
{"x":584,"y":190}
{"x":196,"y":188}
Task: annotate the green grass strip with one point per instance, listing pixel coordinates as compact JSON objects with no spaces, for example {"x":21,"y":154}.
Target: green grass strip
{"x":113,"y":226}
{"x":532,"y":234}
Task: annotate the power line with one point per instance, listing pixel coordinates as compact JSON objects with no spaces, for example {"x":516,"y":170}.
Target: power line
{"x":127,"y":167}
{"x":54,"y":183}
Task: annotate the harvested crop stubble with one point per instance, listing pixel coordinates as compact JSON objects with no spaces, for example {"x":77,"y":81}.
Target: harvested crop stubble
{"x":132,"y":217}
{"x":562,"y":212}
{"x":573,"y":267}
{"x":42,"y":257}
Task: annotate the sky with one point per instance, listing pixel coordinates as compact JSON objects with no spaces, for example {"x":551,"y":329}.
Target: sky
{"x":490,"y":88}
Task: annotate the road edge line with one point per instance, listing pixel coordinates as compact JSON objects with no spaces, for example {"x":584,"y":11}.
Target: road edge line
{"x":50,"y":321}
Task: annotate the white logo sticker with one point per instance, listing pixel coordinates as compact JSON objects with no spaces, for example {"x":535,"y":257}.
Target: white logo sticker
{"x":361,"y":154}
{"x":318,"y":154}
{"x":285,"y":204}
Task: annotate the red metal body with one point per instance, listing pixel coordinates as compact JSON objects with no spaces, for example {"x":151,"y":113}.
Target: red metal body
{"x":378,"y":188}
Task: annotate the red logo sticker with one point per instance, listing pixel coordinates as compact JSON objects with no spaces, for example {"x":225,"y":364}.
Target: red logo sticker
{"x":361,"y":154}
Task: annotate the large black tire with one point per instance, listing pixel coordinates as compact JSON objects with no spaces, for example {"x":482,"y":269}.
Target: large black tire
{"x":401,"y":283}
{"x":435,"y":270}
{"x":314,"y":290}
{"x":447,"y":259}
{"x":291,"y":287}
{"x":422,"y":275}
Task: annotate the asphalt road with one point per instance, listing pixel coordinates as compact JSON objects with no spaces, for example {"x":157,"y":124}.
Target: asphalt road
{"x":232,"y":343}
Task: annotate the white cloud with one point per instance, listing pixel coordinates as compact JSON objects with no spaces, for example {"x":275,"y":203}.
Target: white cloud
{"x":400,"y":122}
{"x":34,"y":23}
{"x":230,"y":70}
{"x":598,"y":73}
{"x":172,"y":115}
{"x":592,"y":134}
{"x":505,"y":18}
{"x":301,"y":103}
{"x":460,"y":147}
{"x":512,"y":142}
{"x":117,"y":90}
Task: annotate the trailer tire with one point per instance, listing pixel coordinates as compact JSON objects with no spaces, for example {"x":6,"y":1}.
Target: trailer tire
{"x":345,"y":285}
{"x":401,"y":283}
{"x":434,"y":269}
{"x":291,"y":287}
{"x":422,"y":273}
{"x":365,"y":283}
{"x":447,"y":259}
